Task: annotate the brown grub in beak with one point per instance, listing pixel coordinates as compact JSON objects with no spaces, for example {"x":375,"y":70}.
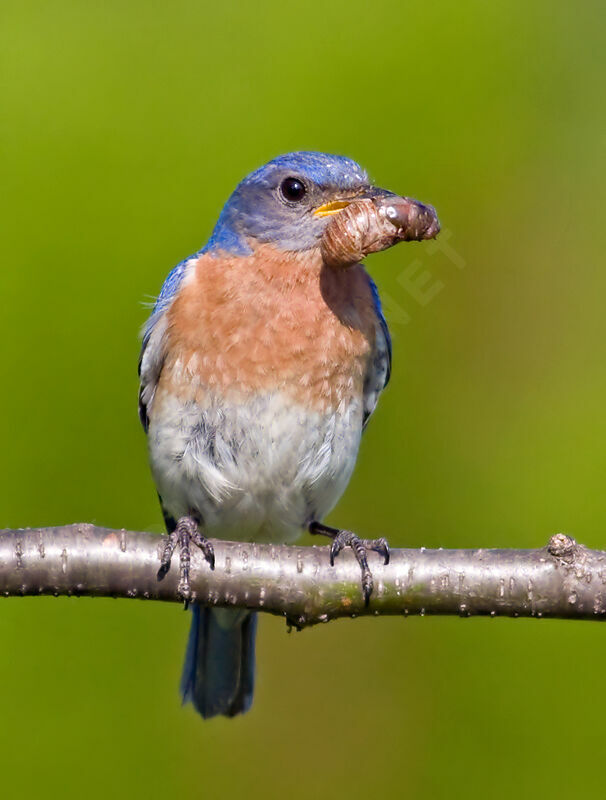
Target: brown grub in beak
{"x":372,"y":224}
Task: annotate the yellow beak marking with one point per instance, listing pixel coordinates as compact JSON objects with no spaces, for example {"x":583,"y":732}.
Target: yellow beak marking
{"x":331,"y":208}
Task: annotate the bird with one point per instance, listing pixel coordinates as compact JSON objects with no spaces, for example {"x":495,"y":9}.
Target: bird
{"x":260,"y":368}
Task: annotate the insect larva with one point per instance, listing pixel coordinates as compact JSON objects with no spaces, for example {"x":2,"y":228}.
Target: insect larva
{"x":372,"y":224}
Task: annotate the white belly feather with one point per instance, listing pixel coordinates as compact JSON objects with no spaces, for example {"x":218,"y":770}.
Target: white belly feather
{"x":258,"y":471}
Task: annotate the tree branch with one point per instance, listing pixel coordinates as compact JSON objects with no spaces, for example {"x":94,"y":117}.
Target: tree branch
{"x":563,"y":580}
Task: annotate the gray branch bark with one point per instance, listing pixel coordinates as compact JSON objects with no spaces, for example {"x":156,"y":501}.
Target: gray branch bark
{"x":563,"y":579}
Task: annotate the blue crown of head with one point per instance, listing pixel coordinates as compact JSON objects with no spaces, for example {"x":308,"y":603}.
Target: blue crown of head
{"x":323,"y":169}
{"x":254,"y":212}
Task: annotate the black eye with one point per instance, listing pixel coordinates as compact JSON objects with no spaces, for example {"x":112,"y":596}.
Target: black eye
{"x":293,"y":190}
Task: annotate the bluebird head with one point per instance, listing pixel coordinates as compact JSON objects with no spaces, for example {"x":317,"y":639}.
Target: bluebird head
{"x":288,"y":202}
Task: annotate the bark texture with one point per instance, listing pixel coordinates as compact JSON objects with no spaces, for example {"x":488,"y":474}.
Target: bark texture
{"x":563,"y":579}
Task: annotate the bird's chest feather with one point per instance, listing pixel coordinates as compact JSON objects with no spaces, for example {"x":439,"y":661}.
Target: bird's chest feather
{"x":257,"y":417}
{"x":271,"y":321}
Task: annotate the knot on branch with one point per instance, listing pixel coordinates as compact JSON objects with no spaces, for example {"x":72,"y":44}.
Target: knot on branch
{"x":573,"y":556}
{"x":563,"y":546}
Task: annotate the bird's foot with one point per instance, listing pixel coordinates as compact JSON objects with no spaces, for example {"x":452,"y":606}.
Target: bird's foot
{"x":185,"y":532}
{"x":341,"y":538}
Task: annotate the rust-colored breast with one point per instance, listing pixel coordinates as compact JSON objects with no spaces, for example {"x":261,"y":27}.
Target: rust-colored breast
{"x":273,"y":320}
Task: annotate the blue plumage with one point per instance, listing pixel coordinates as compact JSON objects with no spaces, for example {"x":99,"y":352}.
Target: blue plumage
{"x":219,"y":669}
{"x":384,"y":328}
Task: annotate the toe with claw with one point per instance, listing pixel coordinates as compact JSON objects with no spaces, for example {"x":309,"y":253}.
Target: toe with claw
{"x":360,"y":547}
{"x":185,"y":532}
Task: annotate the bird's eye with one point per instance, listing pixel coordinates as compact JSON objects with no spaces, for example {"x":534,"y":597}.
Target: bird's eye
{"x":293,"y":190}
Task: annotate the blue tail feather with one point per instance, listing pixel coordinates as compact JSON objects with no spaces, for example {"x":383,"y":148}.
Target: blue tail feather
{"x":218,"y":674}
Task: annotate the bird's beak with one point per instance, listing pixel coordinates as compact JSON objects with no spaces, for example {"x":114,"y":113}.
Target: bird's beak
{"x":334,"y":206}
{"x":331,"y":208}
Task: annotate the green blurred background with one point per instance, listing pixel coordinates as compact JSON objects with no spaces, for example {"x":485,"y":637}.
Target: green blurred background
{"x":124,"y":126}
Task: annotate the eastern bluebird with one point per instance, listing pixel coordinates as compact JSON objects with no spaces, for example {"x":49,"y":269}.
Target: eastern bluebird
{"x":261,"y":364}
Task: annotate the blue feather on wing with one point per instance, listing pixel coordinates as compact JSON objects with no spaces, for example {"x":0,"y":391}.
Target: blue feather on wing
{"x":380,"y":366}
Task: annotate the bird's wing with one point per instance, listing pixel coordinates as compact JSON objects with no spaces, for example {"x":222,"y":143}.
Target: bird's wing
{"x":153,"y":347}
{"x":379,"y":369}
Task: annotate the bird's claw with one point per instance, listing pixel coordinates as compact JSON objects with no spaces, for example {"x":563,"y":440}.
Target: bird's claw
{"x":360,"y":547}
{"x":185,"y":532}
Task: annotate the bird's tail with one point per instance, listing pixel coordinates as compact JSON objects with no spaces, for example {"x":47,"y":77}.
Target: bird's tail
{"x":219,"y":670}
